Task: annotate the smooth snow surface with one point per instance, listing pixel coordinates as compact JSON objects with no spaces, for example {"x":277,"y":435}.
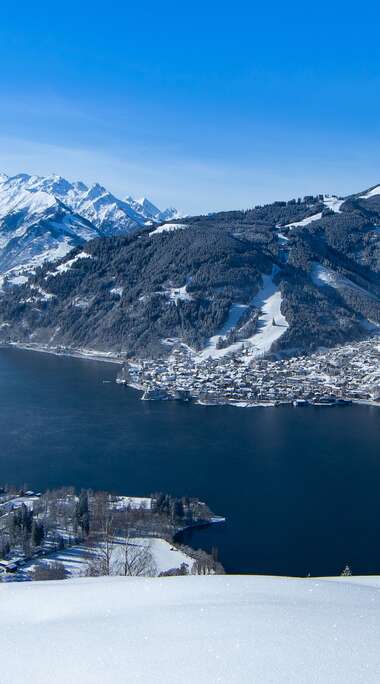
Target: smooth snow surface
{"x":206,"y":630}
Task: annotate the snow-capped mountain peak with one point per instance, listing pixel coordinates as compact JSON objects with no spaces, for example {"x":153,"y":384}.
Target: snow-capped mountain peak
{"x":43,"y":217}
{"x":147,"y":209}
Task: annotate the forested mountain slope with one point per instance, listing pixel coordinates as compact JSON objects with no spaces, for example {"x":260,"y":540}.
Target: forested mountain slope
{"x":317,"y":259}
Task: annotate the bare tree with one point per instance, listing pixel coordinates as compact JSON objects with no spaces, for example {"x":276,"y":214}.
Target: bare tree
{"x":103,"y":535}
{"x":135,"y":558}
{"x":116,"y":551}
{"x":49,"y":571}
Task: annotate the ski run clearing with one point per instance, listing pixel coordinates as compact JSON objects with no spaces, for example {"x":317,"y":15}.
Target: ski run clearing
{"x":208,"y":630}
{"x":322,"y":276}
{"x":271,"y":324}
{"x":332,"y":203}
{"x":305,"y":221}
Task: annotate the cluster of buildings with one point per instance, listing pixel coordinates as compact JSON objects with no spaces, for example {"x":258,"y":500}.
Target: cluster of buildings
{"x":343,"y":374}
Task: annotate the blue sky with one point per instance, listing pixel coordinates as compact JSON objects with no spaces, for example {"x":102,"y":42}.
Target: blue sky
{"x":201,"y":105}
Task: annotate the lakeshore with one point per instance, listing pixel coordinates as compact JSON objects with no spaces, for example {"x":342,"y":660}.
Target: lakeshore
{"x":339,"y":376}
{"x":65,"y":534}
{"x":276,"y":474}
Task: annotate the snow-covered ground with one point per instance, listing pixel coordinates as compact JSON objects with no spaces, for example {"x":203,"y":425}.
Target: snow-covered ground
{"x":132,"y":502}
{"x":332,"y":202}
{"x":221,"y":629}
{"x":76,"y":559}
{"x":371,"y":193}
{"x":234,"y":316}
{"x":62,"y":268}
{"x":179,"y":294}
{"x":268,"y":300}
{"x":118,"y":291}
{"x":305,"y":221}
{"x":168,"y":227}
{"x":322,"y":276}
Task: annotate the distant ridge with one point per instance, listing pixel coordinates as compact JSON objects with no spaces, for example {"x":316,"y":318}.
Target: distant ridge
{"x":44,"y":217}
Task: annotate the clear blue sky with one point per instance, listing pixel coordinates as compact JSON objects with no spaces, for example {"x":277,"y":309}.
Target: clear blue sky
{"x":204,"y":105}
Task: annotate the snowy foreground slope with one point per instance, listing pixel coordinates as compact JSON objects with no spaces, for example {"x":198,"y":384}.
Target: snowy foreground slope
{"x":211,"y":629}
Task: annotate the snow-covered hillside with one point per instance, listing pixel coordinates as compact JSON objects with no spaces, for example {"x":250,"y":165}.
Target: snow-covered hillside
{"x":42,"y":218}
{"x":35,"y":227}
{"x":226,"y":629}
{"x":271,"y":324}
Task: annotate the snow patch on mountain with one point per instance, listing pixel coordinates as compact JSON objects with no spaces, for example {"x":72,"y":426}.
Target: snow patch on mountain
{"x":168,"y":228}
{"x":66,"y":266}
{"x":333,"y":203}
{"x":305,"y":221}
{"x":371,"y":193}
{"x":322,"y":276}
{"x":179,"y":294}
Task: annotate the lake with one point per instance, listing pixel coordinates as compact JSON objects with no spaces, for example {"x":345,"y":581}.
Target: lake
{"x":300,"y":488}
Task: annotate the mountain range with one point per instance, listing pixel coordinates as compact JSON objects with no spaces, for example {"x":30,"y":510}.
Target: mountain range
{"x":285,"y":277}
{"x":43,"y":218}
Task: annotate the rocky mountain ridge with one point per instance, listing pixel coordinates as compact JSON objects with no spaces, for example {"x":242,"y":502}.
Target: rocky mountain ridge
{"x":43,"y":218}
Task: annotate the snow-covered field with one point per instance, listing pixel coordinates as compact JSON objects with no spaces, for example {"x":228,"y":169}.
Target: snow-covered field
{"x":220,"y":629}
{"x":76,"y":559}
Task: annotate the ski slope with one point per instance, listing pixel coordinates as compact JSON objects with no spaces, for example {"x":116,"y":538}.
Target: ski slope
{"x":268,"y":301}
{"x":215,"y":629}
{"x":305,"y":221}
{"x":322,"y":276}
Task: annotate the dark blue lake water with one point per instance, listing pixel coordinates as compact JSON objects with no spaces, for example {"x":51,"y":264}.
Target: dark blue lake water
{"x":300,"y":487}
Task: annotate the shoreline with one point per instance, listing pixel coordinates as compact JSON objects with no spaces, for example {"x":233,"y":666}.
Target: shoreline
{"x":260,"y":404}
{"x":110,"y":357}
{"x":88,"y":354}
